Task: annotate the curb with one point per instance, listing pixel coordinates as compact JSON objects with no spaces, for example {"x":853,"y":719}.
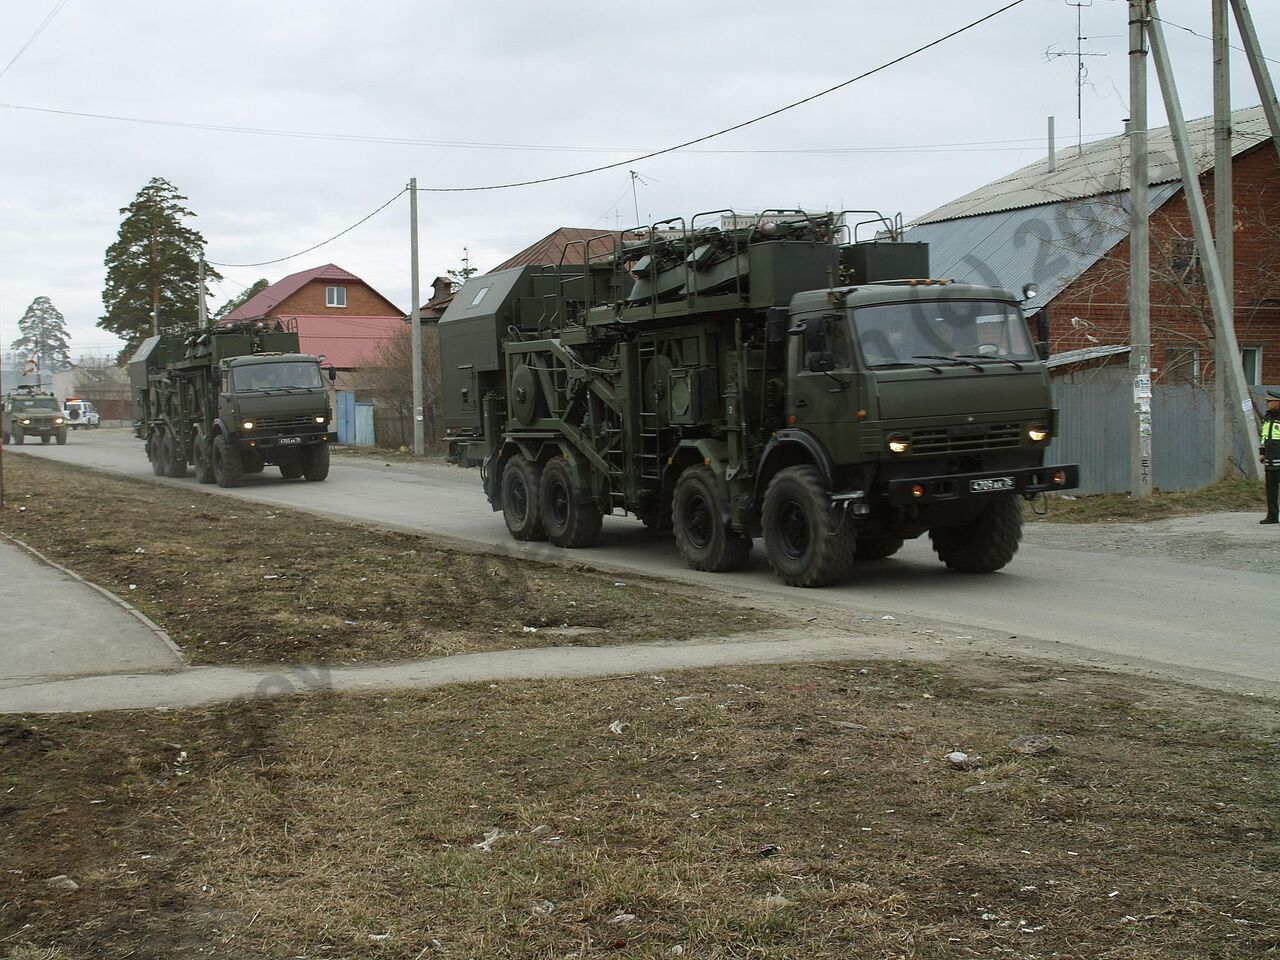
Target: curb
{"x":119,"y":601}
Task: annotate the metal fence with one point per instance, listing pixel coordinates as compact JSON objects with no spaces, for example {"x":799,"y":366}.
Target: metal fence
{"x":1093,"y":431}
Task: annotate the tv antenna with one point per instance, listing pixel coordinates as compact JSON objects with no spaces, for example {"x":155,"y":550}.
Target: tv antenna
{"x":1082,"y":72}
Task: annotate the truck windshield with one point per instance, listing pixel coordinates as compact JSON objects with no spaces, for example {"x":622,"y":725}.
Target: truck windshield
{"x":282,"y":375}
{"x":895,"y":334}
{"x":37,"y":403}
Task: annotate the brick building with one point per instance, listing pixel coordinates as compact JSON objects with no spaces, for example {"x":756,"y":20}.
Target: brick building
{"x":335,"y":313}
{"x":1063,"y":225}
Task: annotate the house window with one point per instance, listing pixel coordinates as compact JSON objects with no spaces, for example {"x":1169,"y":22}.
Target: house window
{"x":1182,"y":365}
{"x":1251,"y":357}
{"x":335,"y":296}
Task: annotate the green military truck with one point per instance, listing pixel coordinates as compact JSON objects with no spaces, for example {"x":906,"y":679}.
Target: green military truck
{"x":30,"y":412}
{"x":759,"y":380}
{"x":230,"y":400}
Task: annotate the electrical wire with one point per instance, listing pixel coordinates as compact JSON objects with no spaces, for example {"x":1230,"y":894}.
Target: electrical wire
{"x":317,"y":246}
{"x":1178,"y":26}
{"x":32,"y":39}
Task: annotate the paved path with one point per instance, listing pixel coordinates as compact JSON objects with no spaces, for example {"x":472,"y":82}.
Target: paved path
{"x":55,"y":625}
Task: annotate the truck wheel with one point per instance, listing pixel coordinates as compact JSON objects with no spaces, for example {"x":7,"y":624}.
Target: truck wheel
{"x":984,"y":544}
{"x":18,"y":436}
{"x":315,"y":463}
{"x":521,"y":486}
{"x":876,"y":548}
{"x":8,"y":438}
{"x":172,"y":466}
{"x":569,"y":519}
{"x":803,"y":549}
{"x":153,"y":453}
{"x":228,"y":469}
{"x":702,"y":537}
{"x":46,"y":437}
{"x":62,"y":437}
{"x":291,"y":469}
{"x":202,"y":460}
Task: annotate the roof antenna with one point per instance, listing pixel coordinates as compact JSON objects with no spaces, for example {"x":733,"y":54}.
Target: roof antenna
{"x":1082,"y":74}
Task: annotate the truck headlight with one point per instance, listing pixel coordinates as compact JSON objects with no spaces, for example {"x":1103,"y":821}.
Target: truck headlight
{"x":899,"y":444}
{"x":26,"y":423}
{"x":1037,"y":433}
{"x":58,"y":420}
{"x":247,"y":425}
{"x":322,"y":419}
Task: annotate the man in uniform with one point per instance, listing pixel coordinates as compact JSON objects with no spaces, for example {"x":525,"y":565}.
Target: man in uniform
{"x":1269,"y":454}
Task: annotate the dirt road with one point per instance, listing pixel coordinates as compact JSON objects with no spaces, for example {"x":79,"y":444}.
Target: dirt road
{"x":1141,"y":598}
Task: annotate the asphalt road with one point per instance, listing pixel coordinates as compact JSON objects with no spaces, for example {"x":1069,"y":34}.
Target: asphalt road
{"x":1177,"y":618}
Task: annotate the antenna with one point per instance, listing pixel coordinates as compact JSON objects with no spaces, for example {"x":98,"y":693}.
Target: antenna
{"x":1082,"y":74}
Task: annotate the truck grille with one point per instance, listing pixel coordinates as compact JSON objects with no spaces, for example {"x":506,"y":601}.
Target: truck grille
{"x":979,"y":437}
{"x":288,"y":423}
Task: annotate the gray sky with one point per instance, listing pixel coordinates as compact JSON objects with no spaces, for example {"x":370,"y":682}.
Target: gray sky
{"x":585,"y":83}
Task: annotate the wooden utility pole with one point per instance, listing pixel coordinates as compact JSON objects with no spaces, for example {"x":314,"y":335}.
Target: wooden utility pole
{"x":203,"y":309}
{"x":155,"y":278}
{"x":1223,"y":232}
{"x":1239,"y":403}
{"x":1139,"y":256}
{"x":415,"y":322}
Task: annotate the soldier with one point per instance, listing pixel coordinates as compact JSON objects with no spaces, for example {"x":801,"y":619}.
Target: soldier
{"x":1269,"y":454}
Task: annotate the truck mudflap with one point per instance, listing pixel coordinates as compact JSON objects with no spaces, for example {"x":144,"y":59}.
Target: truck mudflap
{"x":964,"y":486}
{"x":286,"y":442}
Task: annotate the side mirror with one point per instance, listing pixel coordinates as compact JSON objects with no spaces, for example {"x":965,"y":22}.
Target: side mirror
{"x":776,"y":326}
{"x":1028,"y":291}
{"x":333,"y":374}
{"x":1042,"y":333}
{"x":815,"y":335}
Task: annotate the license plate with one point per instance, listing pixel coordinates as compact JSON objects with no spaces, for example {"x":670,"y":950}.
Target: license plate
{"x":992,"y":485}
{"x":285,"y":440}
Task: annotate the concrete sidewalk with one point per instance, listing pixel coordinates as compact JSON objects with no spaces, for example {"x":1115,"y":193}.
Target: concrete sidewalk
{"x":57,"y":625}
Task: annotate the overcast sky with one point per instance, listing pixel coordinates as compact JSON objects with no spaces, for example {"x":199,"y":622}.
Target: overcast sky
{"x":524,"y":91}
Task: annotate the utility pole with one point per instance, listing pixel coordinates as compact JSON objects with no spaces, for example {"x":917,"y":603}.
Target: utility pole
{"x":1258,"y":64}
{"x":415,"y":321}
{"x":1223,"y":230}
{"x":202,"y":306}
{"x":1139,"y":257}
{"x":1238,"y":401}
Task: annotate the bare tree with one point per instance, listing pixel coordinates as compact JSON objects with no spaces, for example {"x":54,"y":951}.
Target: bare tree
{"x":386,"y":380}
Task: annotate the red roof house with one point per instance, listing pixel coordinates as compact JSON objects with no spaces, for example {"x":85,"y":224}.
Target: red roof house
{"x":335,"y":313}
{"x":568,"y":245}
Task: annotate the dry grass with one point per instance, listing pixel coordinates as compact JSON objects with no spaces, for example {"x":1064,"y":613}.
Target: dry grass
{"x":238,"y":582}
{"x":780,"y":812}
{"x":1226,"y":495}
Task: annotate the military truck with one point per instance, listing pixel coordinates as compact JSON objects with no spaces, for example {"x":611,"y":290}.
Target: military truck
{"x":31,"y":412}
{"x":781,"y":379}
{"x":230,"y":400}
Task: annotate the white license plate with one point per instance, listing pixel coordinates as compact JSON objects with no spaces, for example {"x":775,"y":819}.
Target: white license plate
{"x":284,"y":440}
{"x":992,"y":485}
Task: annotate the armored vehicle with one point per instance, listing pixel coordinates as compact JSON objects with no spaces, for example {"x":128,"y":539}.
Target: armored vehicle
{"x":30,"y":412}
{"x":229,"y":400}
{"x":778,"y":379}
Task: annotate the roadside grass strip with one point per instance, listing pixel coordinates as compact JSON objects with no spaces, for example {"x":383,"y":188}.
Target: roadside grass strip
{"x":1233,"y":496}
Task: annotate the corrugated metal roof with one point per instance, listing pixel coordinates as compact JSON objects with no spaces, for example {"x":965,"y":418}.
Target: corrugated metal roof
{"x":1101,"y":168}
{"x":1048,"y":245}
{"x":555,"y":247}
{"x":261,"y":304}
{"x":1087,"y":354}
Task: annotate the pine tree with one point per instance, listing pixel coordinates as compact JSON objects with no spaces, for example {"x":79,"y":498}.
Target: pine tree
{"x":241,"y":299}
{"x":463,"y":273}
{"x":43,"y":337}
{"x":152,"y":267}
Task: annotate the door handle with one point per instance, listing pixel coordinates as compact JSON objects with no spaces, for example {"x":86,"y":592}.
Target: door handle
{"x":801,"y":403}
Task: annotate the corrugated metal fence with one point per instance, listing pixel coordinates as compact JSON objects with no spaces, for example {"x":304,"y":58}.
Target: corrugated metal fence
{"x":1093,"y":431}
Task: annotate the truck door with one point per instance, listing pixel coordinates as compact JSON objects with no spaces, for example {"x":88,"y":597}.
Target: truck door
{"x":823,"y":392}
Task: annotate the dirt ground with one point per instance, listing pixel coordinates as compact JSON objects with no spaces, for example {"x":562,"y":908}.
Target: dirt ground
{"x":237,"y":582}
{"x":781,"y":812}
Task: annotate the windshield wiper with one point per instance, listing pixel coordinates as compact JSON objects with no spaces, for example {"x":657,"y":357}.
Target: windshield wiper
{"x":977,"y":366}
{"x":902,"y":363}
{"x":984,"y":356}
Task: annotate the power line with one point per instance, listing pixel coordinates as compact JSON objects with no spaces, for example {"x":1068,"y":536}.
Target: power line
{"x":1178,"y":26}
{"x":32,"y":39}
{"x":317,"y":246}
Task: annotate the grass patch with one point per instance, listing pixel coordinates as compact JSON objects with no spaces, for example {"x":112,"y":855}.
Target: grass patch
{"x":241,"y":582}
{"x":781,"y":812}
{"x":1238,"y":495}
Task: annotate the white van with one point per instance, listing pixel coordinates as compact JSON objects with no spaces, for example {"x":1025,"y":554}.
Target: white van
{"x":80,"y":413}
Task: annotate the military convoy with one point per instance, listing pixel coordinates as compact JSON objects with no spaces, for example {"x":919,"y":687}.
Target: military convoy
{"x":779,"y":380}
{"x":230,"y":400}
{"x":31,"y":412}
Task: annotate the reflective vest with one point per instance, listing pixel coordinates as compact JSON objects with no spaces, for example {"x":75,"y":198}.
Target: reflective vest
{"x":1270,"y":430}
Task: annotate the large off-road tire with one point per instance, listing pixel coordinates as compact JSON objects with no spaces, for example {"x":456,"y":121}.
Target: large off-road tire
{"x":521,"y":508}
{"x":202,"y":460}
{"x":984,"y":544}
{"x":569,"y":519}
{"x":703,"y":538}
{"x":809,"y":546}
{"x":46,"y":438}
{"x":18,"y":436}
{"x":876,"y":548}
{"x":253,"y":462}
{"x":62,"y":437}
{"x":8,"y":438}
{"x":315,"y":462}
{"x":154,"y":452}
{"x":291,"y":469}
{"x":228,"y":468}
{"x":173,"y":466}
